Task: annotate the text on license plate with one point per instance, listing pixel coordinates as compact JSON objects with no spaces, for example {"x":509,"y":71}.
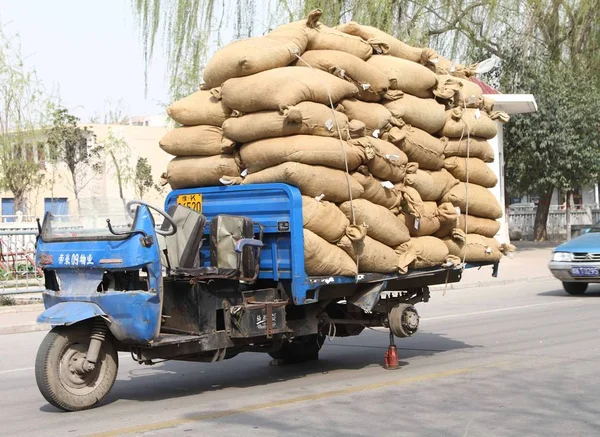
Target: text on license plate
{"x":584,"y":271}
{"x":192,"y":201}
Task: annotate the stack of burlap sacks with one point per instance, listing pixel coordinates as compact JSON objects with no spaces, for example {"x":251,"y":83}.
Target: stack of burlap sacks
{"x":383,"y":140}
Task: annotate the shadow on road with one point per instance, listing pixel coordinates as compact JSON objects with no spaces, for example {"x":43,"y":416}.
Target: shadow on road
{"x":592,"y":291}
{"x":179,"y":379}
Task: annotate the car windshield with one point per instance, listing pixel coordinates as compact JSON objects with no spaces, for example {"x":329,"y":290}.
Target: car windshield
{"x":85,"y":227}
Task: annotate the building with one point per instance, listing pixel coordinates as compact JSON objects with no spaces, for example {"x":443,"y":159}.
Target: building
{"x":100,"y":190}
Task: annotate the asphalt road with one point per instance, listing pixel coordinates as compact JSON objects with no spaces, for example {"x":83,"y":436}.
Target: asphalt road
{"x":515,"y":360}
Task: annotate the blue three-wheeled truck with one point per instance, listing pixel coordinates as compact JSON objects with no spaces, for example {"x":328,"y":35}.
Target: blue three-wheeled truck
{"x":223,"y":274}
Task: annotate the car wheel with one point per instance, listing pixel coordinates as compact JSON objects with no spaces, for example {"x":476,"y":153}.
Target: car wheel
{"x":575,"y":288}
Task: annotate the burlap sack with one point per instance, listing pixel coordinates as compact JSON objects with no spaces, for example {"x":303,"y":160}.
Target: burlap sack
{"x":280,"y":88}
{"x":443,"y":66}
{"x":419,"y":146}
{"x":428,"y":252}
{"x":373,"y":256}
{"x":196,"y":141}
{"x":306,"y":149}
{"x":476,"y":248}
{"x":386,"y":161}
{"x":356,"y":129}
{"x":473,"y":147}
{"x":372,"y":84}
{"x":431,"y":185}
{"x":201,"y":107}
{"x":406,"y":76}
{"x":477,"y":171}
{"x":253,"y":55}
{"x":427,"y":223}
{"x":324,"y":259}
{"x":471,"y":225}
{"x":311,"y":180}
{"x":482,"y":202}
{"x":324,"y":219}
{"x":382,"y":224}
{"x":470,"y":94}
{"x":192,"y":171}
{"x":461,"y":123}
{"x":425,"y":114}
{"x":376,"y":117}
{"x":375,"y":192}
{"x":396,"y":47}
{"x":305,"y":118}
{"x":321,"y":37}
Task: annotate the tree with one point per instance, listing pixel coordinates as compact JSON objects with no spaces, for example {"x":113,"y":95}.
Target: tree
{"x":22,"y":112}
{"x":143,"y":177}
{"x":117,"y":149}
{"x":68,"y":144}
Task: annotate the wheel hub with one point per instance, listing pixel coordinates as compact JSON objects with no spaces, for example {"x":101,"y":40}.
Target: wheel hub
{"x":76,"y":375}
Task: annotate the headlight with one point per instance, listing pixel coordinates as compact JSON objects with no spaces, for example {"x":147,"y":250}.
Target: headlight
{"x":562,"y":256}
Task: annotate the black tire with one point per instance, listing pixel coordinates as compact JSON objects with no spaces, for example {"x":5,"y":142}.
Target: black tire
{"x":59,"y":383}
{"x":301,"y":349}
{"x":575,"y":288}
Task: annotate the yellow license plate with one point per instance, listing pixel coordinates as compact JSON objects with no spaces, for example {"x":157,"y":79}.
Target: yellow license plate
{"x":192,"y":201}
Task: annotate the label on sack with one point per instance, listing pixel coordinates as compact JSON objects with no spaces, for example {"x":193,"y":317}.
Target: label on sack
{"x":387,"y":184}
{"x":458,"y":211}
{"x":319,"y":197}
{"x":225,"y":181}
{"x":393,"y":157}
{"x":365,"y":86}
{"x":477,"y":114}
{"x":329,"y":125}
{"x":417,"y":223}
{"x":376,"y":133}
{"x":244,"y":173}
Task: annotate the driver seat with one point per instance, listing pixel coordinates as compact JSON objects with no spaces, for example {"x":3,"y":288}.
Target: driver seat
{"x":182,"y":249}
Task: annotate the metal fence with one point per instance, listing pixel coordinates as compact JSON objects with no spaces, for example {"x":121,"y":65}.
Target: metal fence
{"x":18,"y":272}
{"x":523,"y":221}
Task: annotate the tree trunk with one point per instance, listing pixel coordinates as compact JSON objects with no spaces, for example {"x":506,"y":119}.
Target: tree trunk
{"x":568,"y":215}
{"x":19,"y":204}
{"x":541,"y":215}
{"x":119,"y":179}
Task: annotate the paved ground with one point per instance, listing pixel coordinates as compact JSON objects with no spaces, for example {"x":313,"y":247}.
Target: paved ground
{"x":516,"y":359}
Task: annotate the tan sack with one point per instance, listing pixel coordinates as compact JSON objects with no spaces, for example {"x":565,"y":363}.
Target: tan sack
{"x":193,"y":171}
{"x":482,"y":202}
{"x":382,"y":224}
{"x":311,"y":180}
{"x":386,"y":161}
{"x":375,"y":192}
{"x":306,"y":118}
{"x":470,"y":95}
{"x":322,"y":37}
{"x":427,"y":223}
{"x":201,"y":107}
{"x":372,"y":84}
{"x":477,"y":171}
{"x":473,"y":147}
{"x":373,"y":256}
{"x":325,"y":259}
{"x":324,"y":219}
{"x":476,"y":248}
{"x":307,"y":149}
{"x":196,"y":141}
{"x":406,"y":76}
{"x":425,"y":114}
{"x":431,"y":185}
{"x":419,"y":146}
{"x":461,"y":123}
{"x":396,"y":47}
{"x":253,"y":55}
{"x":375,"y":116}
{"x":471,"y":225}
{"x":428,"y":252}
{"x":280,"y":88}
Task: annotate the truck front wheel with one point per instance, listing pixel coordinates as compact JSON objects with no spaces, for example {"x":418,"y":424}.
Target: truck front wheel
{"x":300,"y":349}
{"x":62,"y":372}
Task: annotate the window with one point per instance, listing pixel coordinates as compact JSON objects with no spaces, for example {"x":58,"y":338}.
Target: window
{"x":56,"y":205}
{"x":8,"y":209}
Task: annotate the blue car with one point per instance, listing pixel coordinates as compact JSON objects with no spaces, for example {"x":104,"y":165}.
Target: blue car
{"x":576,"y":263}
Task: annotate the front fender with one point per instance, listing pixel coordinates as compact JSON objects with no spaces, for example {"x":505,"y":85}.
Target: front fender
{"x":68,"y":313}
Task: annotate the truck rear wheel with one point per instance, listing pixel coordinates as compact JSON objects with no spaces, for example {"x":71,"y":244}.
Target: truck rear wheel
{"x":59,"y":369}
{"x":300,"y":349}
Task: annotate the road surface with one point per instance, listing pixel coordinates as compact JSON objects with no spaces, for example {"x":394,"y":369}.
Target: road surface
{"x":520,"y":359}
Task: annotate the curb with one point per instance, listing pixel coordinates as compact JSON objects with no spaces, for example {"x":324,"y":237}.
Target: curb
{"x":21,"y":329}
{"x":22,"y":308}
{"x":490,"y":283}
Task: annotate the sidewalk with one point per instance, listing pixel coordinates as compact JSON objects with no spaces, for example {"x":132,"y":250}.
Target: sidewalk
{"x":528,"y":263}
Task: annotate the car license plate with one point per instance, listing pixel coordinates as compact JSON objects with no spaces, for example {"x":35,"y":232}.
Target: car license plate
{"x":192,"y":201}
{"x":584,"y":271}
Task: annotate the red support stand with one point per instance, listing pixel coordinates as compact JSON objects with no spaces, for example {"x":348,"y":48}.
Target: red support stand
{"x":391,"y":356}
